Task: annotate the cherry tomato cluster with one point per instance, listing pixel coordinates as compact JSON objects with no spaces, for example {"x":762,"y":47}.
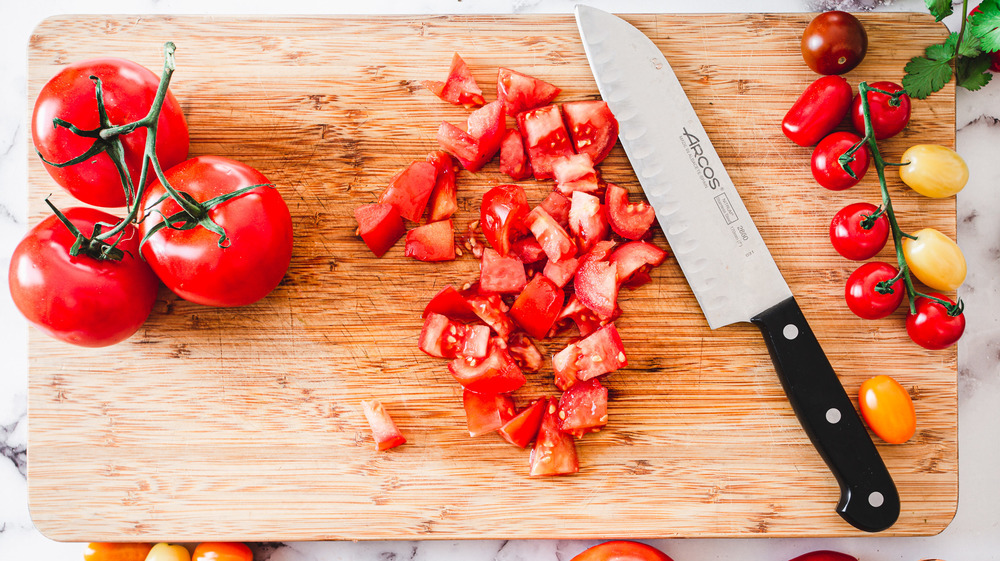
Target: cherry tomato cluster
{"x":106,"y":129}
{"x":207,"y":551}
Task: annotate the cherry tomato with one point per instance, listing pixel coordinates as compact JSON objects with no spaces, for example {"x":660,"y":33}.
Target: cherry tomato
{"x":222,"y":551}
{"x":851,"y":239}
{"x":826,"y":166}
{"x":80,"y":299}
{"x":887,"y":120}
{"x":933,"y":171}
{"x":864,"y":300}
{"x":834,"y":43}
{"x":825,"y":555}
{"x":191,"y":263}
{"x":932,"y":327}
{"x":501,"y":214}
{"x":820,"y":108}
{"x":887,"y":409}
{"x":622,"y":550}
{"x":129,"y":90}
{"x":167,"y":552}
{"x":100,"y":551}
{"x":935,"y":259}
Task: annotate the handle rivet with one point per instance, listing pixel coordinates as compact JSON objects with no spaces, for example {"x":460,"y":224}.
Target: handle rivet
{"x":876,"y":499}
{"x":790,"y":331}
{"x":833,"y":415}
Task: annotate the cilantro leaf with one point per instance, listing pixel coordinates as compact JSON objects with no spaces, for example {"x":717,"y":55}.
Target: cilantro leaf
{"x":970,"y":46}
{"x":940,"y":9}
{"x":986,"y":25}
{"x":943,"y":52}
{"x":924,"y":77}
{"x":972,"y":72}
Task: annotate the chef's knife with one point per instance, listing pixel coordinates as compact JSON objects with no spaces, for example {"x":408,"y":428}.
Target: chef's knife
{"x":723,"y":257}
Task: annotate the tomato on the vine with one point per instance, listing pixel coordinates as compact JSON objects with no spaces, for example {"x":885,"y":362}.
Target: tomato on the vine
{"x":862,"y":295}
{"x":933,"y":170}
{"x":834,"y":42}
{"x":932,"y":327}
{"x":222,"y":551}
{"x":129,"y":89}
{"x":253,"y":259}
{"x":826,"y":168}
{"x":935,"y":259}
{"x":888,"y":120}
{"x":887,"y":409}
{"x":622,"y":550}
{"x":850,"y":237}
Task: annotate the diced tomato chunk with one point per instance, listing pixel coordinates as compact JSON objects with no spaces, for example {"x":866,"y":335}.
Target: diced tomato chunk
{"x":513,"y":157}
{"x":525,"y":353}
{"x":557,"y":205}
{"x":501,"y":216}
{"x":592,"y":127}
{"x":583,"y":408}
{"x":444,"y":197}
{"x":545,"y":138}
{"x":491,"y":309}
{"x":521,"y":430}
{"x":444,"y":338}
{"x":501,"y":274}
{"x":587,"y":220}
{"x":628,"y":220}
{"x":575,"y":173}
{"x":460,"y":87}
{"x":450,"y":302}
{"x":383,"y":428}
{"x":497,"y":373}
{"x":552,"y":237}
{"x":537,"y":307}
{"x":597,"y":287}
{"x":528,"y":250}
{"x":599,"y":353}
{"x":564,"y":367}
{"x":431,"y":242}
{"x":474,"y":148}
{"x":410,"y":189}
{"x":562,"y":272}
{"x":585,"y":319}
{"x":554,"y":452}
{"x":520,"y":92}
{"x":635,"y":257}
{"x":380,"y":226}
{"x":486,"y":413}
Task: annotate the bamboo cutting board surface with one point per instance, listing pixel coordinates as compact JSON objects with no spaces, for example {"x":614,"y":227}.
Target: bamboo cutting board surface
{"x":246,"y":424}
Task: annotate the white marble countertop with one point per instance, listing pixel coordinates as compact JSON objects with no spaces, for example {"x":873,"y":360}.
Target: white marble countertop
{"x":975,"y":532}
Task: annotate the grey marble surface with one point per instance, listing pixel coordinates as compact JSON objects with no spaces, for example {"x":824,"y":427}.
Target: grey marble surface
{"x":973,"y":535}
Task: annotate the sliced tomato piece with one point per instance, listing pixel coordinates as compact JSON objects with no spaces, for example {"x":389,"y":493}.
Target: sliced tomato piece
{"x":525,"y":353}
{"x":459,"y":87}
{"x":451,"y":303}
{"x":575,"y":173}
{"x":584,"y":318}
{"x":564,"y":367}
{"x":497,"y":373}
{"x":444,"y":338}
{"x":557,"y":205}
{"x":444,"y":197}
{"x":513,"y":157}
{"x":383,"y":428}
{"x":596,"y":283}
{"x":629,"y":220}
{"x":545,"y":138}
{"x":562,"y":272}
{"x":537,"y":307}
{"x":431,"y":242}
{"x":520,"y":92}
{"x":501,"y":216}
{"x":486,"y":413}
{"x":473,"y":149}
{"x":528,"y":250}
{"x":601,"y":352}
{"x":635,"y":258}
{"x":592,"y":127}
{"x":500,"y":274}
{"x":587,"y":220}
{"x":380,"y":226}
{"x":521,"y":429}
{"x":554,"y":452}
{"x":491,"y":309}
{"x":552,"y":237}
{"x":583,"y":408}
{"x":410,"y":189}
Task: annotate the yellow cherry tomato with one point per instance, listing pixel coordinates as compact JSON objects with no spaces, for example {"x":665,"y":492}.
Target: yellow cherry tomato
{"x":887,"y":409}
{"x":933,"y":171}
{"x":935,"y":259}
{"x":222,"y":551}
{"x":100,"y":551}
{"x":167,"y":552}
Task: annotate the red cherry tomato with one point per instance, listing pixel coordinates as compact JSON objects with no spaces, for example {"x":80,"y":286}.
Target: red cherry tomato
{"x":932,"y":327}
{"x":820,"y":108}
{"x":129,"y":90}
{"x":864,"y":300}
{"x":622,"y":550}
{"x":80,"y":299}
{"x":887,"y":120}
{"x":887,"y":409}
{"x":222,"y":551}
{"x":834,"y":43}
{"x":825,"y":555}
{"x":826,"y":166}
{"x":191,"y":263}
{"x":851,"y":239}
{"x":500,"y":216}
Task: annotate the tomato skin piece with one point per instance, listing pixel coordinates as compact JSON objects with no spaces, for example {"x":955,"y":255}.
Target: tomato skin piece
{"x":501,"y":215}
{"x":81,"y":300}
{"x":629,"y":220}
{"x":459,"y":88}
{"x":887,"y":409}
{"x":379,"y":226}
{"x":583,"y":408}
{"x":545,"y":138}
{"x":933,"y":170}
{"x":103,"y":551}
{"x":850,"y":239}
{"x":537,"y":307}
{"x":825,"y":555}
{"x":935,"y":259}
{"x":554,"y":452}
{"x":129,"y":89}
{"x":624,"y":550}
{"x":592,"y":127}
{"x":384,"y":429}
{"x":860,"y":294}
{"x":820,"y":108}
{"x":834,"y":42}
{"x":222,"y":551}
{"x":931,"y":327}
{"x":825,"y":165}
{"x":410,"y":189}
{"x":887,"y":120}
{"x":431,"y":242}
{"x":521,"y":429}
{"x":520,"y":92}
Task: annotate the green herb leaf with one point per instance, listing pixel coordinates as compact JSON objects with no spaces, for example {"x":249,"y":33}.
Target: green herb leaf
{"x":943,"y":52}
{"x":973,"y":73}
{"x":986,"y":25}
{"x":940,"y":9}
{"x":924,"y":77}
{"x":971,"y":46}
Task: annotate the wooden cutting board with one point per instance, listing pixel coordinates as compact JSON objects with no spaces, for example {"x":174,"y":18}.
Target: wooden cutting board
{"x":246,"y":424}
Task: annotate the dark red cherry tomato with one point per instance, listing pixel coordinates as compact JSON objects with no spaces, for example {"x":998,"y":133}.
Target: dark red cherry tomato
{"x":834,"y":43}
{"x":851,"y":239}
{"x":820,"y":108}
{"x":887,"y":120}
{"x":932,"y":327}
{"x":826,"y":166}
{"x":622,"y":550}
{"x":862,"y":297}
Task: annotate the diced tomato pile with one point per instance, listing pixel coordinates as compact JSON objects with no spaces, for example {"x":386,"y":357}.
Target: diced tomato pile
{"x":545,"y":269}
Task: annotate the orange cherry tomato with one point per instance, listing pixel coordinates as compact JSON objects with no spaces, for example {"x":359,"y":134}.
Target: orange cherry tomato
{"x":622,"y":550}
{"x":222,"y":551}
{"x":887,"y":409}
{"x":100,"y":551}
{"x":167,"y":552}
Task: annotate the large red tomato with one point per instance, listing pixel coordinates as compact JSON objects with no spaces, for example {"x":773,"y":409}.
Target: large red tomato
{"x":80,"y":299}
{"x":258,"y":225}
{"x":129,"y":90}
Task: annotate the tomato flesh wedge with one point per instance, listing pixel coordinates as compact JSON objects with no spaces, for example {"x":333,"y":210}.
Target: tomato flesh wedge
{"x":599,"y":353}
{"x":537,"y":307}
{"x":501,"y":215}
{"x":486,"y":413}
{"x":380,"y":226}
{"x":410,"y":189}
{"x":575,"y":173}
{"x":497,"y":373}
{"x":629,"y":220}
{"x":587,"y":220}
{"x":500,"y":274}
{"x":583,"y":408}
{"x":431,"y":242}
{"x":383,"y":428}
{"x":444,"y":338}
{"x":459,"y":88}
{"x":550,"y":235}
{"x":444,"y":197}
{"x":520,"y":92}
{"x":525,"y":353}
{"x":545,"y":138}
{"x":597,"y":286}
{"x":635,"y":257}
{"x":473,"y":149}
{"x":554,"y":452}
{"x":521,"y":429}
{"x":557,"y":205}
{"x":592,"y":127}
{"x":513,"y":158}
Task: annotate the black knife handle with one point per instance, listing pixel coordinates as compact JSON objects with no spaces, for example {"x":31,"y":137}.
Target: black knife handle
{"x":868,"y":497}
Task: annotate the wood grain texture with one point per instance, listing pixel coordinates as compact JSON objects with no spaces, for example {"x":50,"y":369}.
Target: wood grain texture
{"x":246,"y":424}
